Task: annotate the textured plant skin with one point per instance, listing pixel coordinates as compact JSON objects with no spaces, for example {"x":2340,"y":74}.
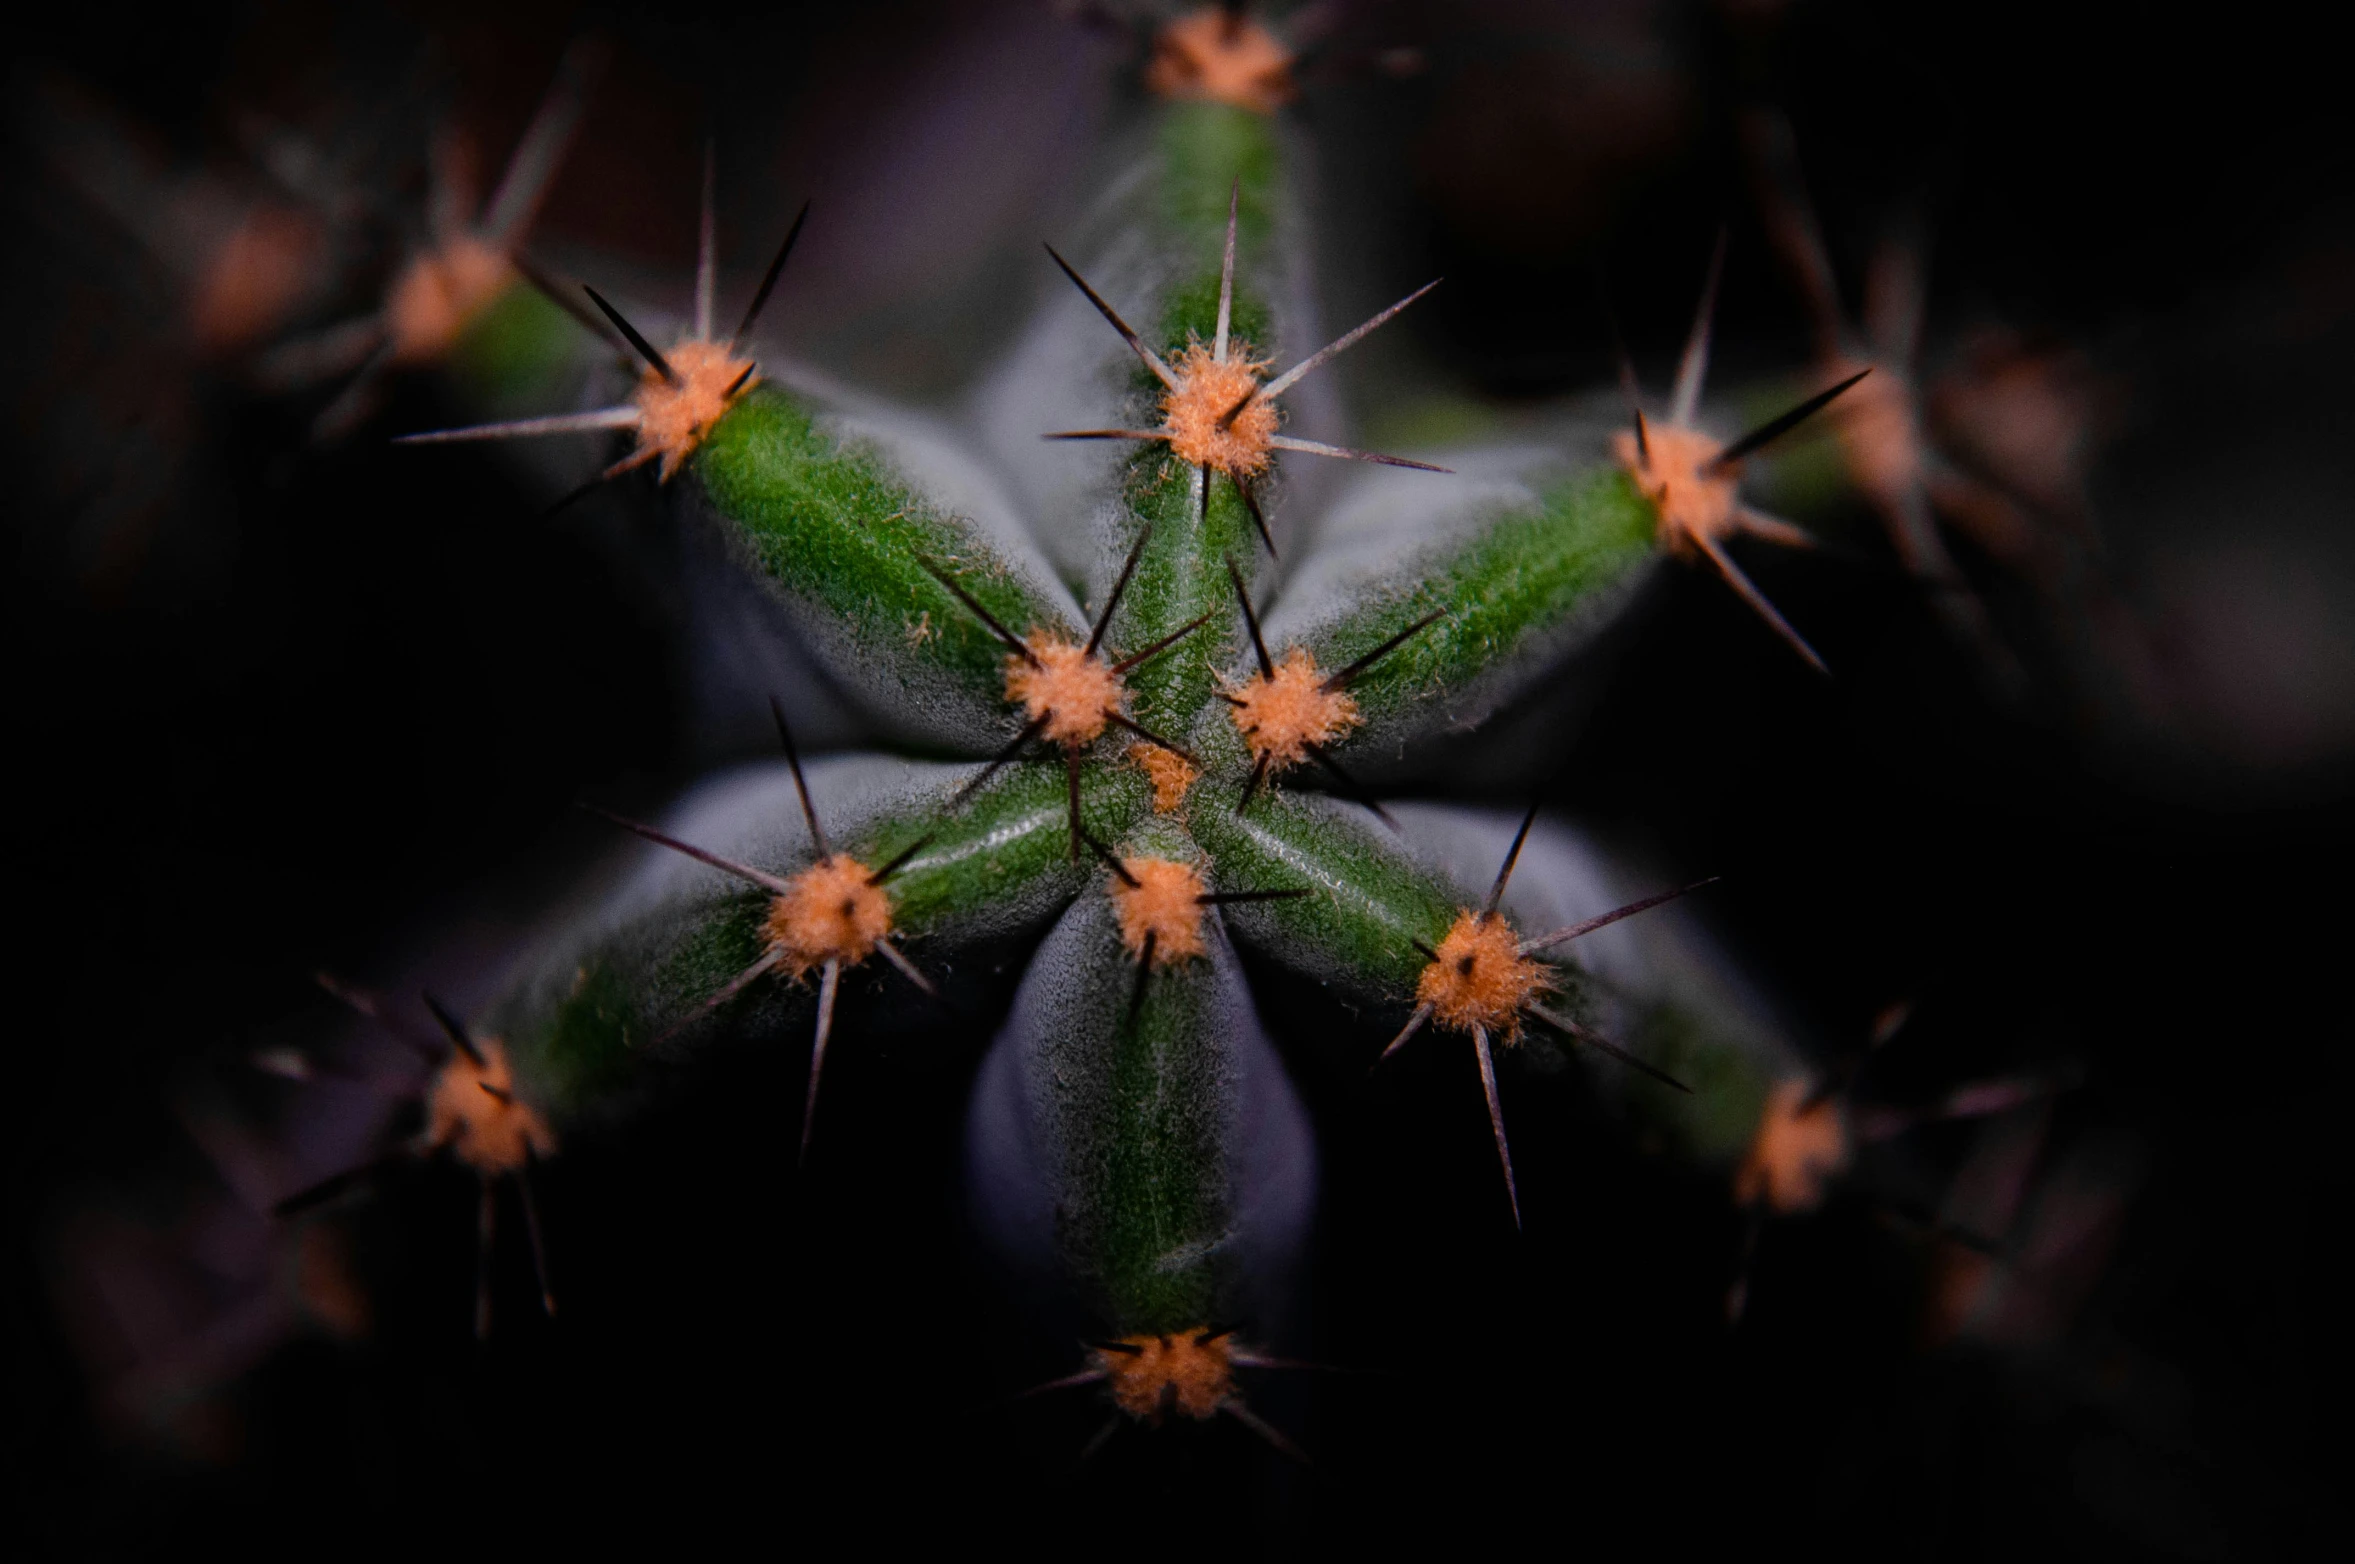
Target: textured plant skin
{"x":1512,"y":593}
{"x":846,"y":547}
{"x":1141,"y":1103}
{"x":1371,"y":905}
{"x":516,"y":355}
{"x":1003,"y":860}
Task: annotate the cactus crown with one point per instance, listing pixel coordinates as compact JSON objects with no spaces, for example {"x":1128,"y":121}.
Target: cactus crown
{"x":1145,"y":785}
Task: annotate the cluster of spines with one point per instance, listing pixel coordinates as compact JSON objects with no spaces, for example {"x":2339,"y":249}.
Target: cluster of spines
{"x":1693,"y":480}
{"x":1217,"y":412}
{"x":475,"y":1113}
{"x":1156,"y":1376}
{"x":681,"y":395}
{"x":831,"y":916}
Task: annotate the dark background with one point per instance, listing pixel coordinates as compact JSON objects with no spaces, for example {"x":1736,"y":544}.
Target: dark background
{"x":336,"y":704}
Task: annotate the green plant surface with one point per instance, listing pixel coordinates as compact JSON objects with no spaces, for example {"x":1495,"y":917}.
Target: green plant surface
{"x":847,"y":546}
{"x":581,"y":1043}
{"x":1142,"y":1136}
{"x":1525,"y":577}
{"x":1713,"y":1125}
{"x":1206,"y":151}
{"x":1514,"y":594}
{"x":1371,"y":904}
{"x":519,"y":352}
{"x":1135,"y":1106}
{"x":999,"y":861}
{"x":1011,"y":843}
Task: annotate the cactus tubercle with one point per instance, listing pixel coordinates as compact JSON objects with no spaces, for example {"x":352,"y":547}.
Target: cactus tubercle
{"x":1480,"y":980}
{"x":831,"y":916}
{"x":832,"y":911}
{"x":680,"y":397}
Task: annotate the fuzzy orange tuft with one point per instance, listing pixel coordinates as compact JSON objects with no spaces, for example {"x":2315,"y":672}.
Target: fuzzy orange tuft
{"x":1281,"y":717}
{"x":1795,"y":1152}
{"x":674,"y":420}
{"x":1170,"y":1374}
{"x":439,"y":295}
{"x":1877,"y":431}
{"x":473,"y":1110}
{"x":830,"y":914}
{"x":1162,"y":903}
{"x":1215,"y":54}
{"x":1169,"y":772}
{"x":1481,"y":979}
{"x":1206,"y":388}
{"x":1692,"y":501}
{"x":1073,"y":688}
{"x":253,"y":280}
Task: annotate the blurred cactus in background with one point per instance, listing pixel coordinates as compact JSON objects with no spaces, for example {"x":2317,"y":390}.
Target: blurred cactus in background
{"x":1206,"y":883}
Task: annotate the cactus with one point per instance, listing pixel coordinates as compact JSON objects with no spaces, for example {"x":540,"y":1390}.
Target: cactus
{"x":1139,"y":865}
{"x":1148,"y":736}
{"x":1136,"y":736}
{"x":1149,"y":784}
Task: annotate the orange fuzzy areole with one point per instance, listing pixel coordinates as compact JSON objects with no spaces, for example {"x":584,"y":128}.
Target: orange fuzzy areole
{"x":251,"y":283}
{"x":1073,"y":688}
{"x":1481,"y":979}
{"x":1226,"y":58}
{"x":1693,"y":501}
{"x":1205,"y":389}
{"x":1877,"y":432}
{"x":830,"y":914}
{"x":1169,"y":772}
{"x":674,"y":419}
{"x":1170,"y":1374}
{"x":1795,"y":1153}
{"x":1281,"y":717}
{"x":1163,"y":904}
{"x":440,"y":295}
{"x":473,"y":1110}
